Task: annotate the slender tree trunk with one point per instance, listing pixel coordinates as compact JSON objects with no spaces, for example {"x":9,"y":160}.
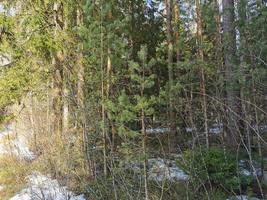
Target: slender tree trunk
{"x":242,"y":10}
{"x":57,"y":83}
{"x":144,"y":153}
{"x":32,"y":121}
{"x":79,"y":15}
{"x":218,"y":40}
{"x":65,"y":22}
{"x":258,"y":134}
{"x":143,"y":132}
{"x":144,"y":137}
{"x":232,"y":93}
{"x":220,"y":60}
{"x":169,"y":6}
{"x":108,"y":94}
{"x":104,"y":135}
{"x":217,"y":18}
{"x":65,"y":123}
{"x":103,"y":96}
{"x":200,"y":56}
{"x":177,"y":29}
{"x":57,"y":100}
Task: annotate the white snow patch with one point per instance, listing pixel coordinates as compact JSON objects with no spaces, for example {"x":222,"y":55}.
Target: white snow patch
{"x":15,"y":145}
{"x":245,"y":169}
{"x":216,"y":129}
{"x":5,"y":59}
{"x":190,"y":129}
{"x":242,"y":197}
{"x":44,"y":188}
{"x":260,"y":127}
{"x":160,"y":169}
{"x":157,"y":130}
{"x":21,"y":150}
{"x":245,"y":172}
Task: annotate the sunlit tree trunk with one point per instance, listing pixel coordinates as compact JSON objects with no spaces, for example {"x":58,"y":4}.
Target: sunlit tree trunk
{"x":103,"y":92}
{"x":32,"y":121}
{"x":81,"y":99}
{"x":177,"y":29}
{"x":57,"y":77}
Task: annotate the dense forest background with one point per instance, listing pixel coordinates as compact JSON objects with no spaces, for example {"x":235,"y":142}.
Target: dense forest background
{"x":113,"y":96}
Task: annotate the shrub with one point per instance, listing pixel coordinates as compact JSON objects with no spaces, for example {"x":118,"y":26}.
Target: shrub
{"x":212,"y":167}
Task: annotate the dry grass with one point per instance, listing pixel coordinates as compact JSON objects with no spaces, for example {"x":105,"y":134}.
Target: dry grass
{"x":12,"y":176}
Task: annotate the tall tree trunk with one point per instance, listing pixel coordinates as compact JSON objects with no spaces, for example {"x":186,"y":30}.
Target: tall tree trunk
{"x":32,"y":121}
{"x":220,"y":61}
{"x":144,"y":153}
{"x":169,"y":6}
{"x":258,"y":134}
{"x":242,"y":12}
{"x":177,"y":22}
{"x":104,"y":134}
{"x":79,"y":18}
{"x":144,"y":137}
{"x":217,"y":19}
{"x":57,"y":78}
{"x":103,"y":96}
{"x":229,"y":43}
{"x":177,"y":29}
{"x":200,"y":56}
{"x":108,"y":94}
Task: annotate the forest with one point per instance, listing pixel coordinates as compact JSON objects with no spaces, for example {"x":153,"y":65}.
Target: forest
{"x":133,"y":99}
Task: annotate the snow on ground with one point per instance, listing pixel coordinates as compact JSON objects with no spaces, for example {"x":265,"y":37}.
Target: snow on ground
{"x":39,"y":187}
{"x":245,"y":168}
{"x":5,"y":59}
{"x":190,"y":129}
{"x":157,"y":130}
{"x":242,"y":197}
{"x":44,"y":188}
{"x":160,"y":169}
{"x":22,"y":150}
{"x":15,"y":145}
{"x":214,"y":129}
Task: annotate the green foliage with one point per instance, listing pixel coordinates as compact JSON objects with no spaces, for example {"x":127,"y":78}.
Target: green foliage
{"x":212,"y":166}
{"x":132,"y":102}
{"x":130,"y":36}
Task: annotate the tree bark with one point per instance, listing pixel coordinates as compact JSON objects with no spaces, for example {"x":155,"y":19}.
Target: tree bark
{"x":103,"y":97}
{"x":57,"y":78}
{"x":232,"y":93}
{"x":177,"y":29}
{"x":200,"y":57}
{"x":169,"y":6}
{"x":144,"y":153}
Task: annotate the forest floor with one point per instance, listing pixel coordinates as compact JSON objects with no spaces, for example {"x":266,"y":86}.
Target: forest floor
{"x":19,"y":179}
{"x":17,"y":175}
